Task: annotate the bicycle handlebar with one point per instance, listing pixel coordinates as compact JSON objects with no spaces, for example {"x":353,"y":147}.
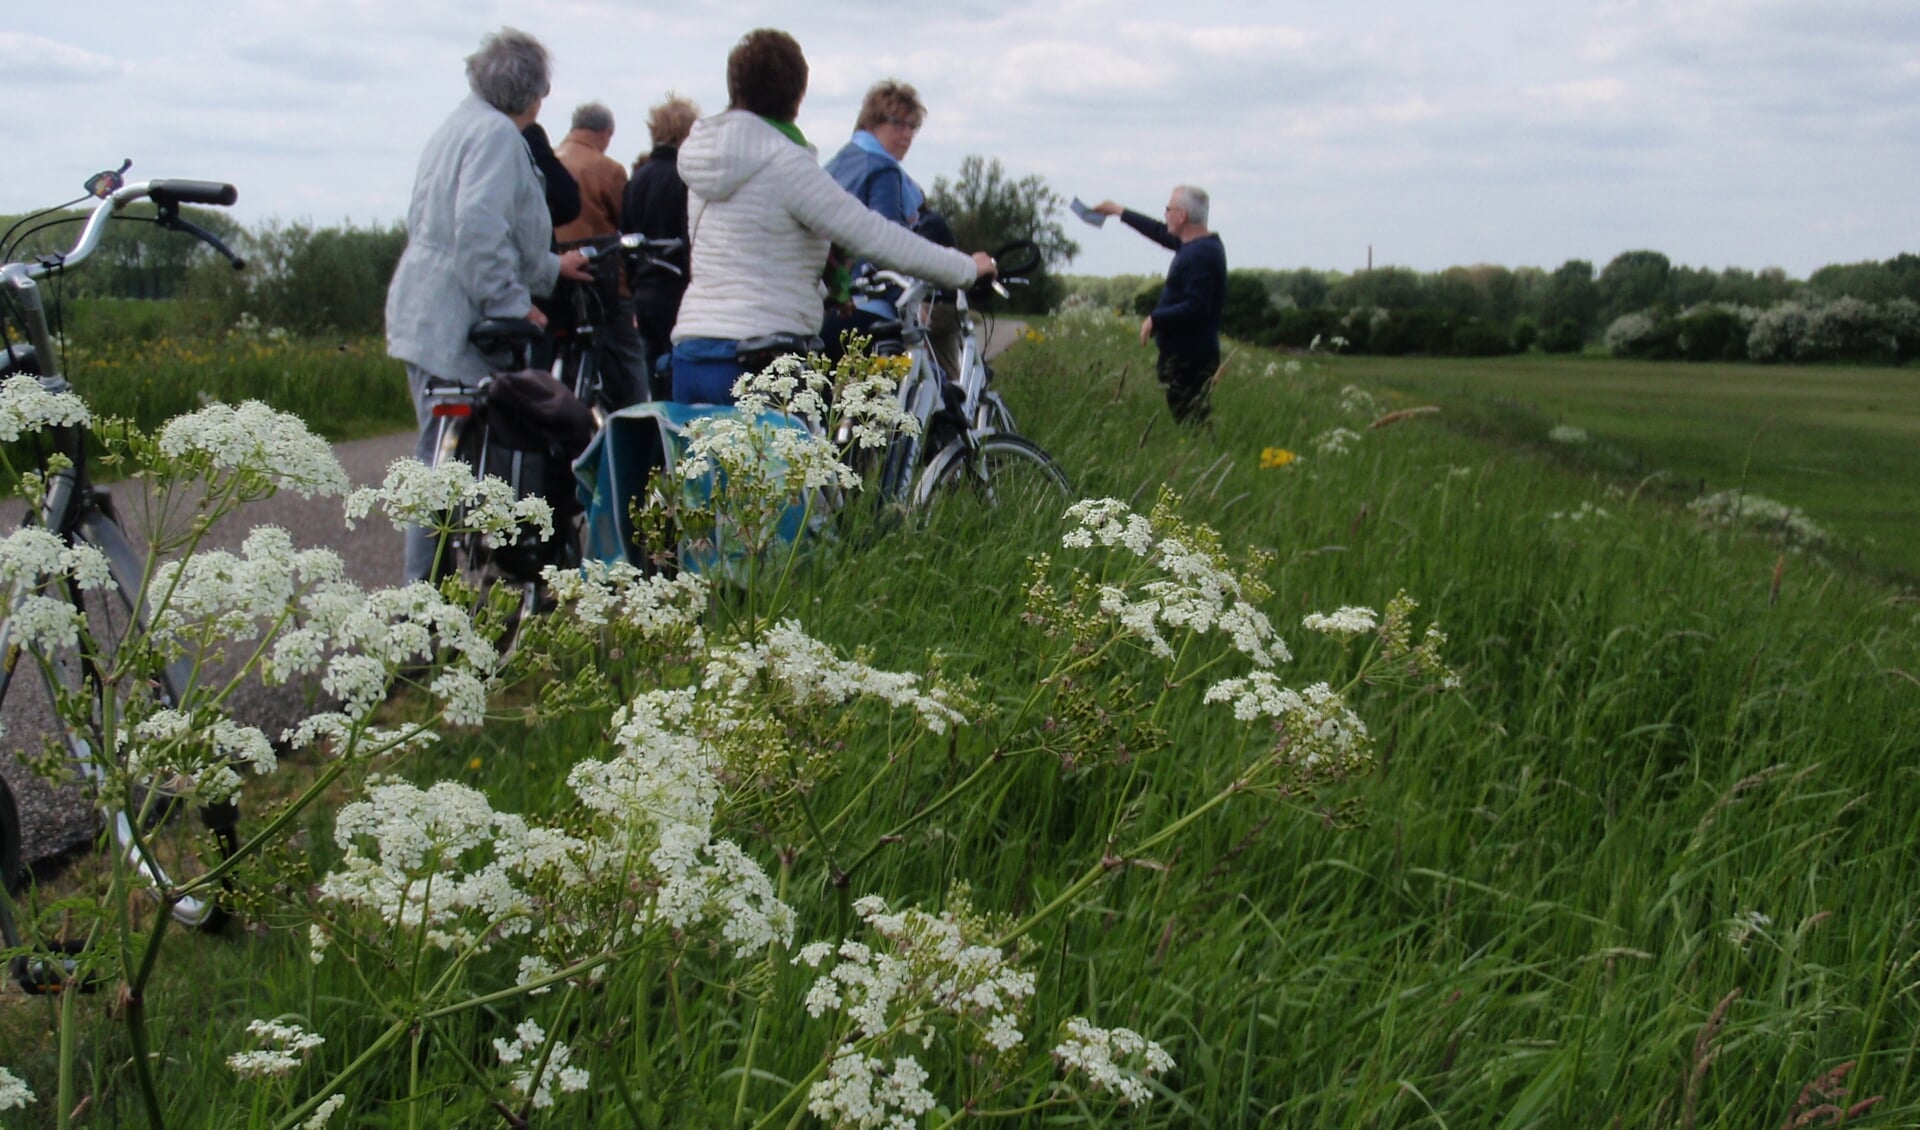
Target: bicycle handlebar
{"x":168,"y":194}
{"x":652,"y":252}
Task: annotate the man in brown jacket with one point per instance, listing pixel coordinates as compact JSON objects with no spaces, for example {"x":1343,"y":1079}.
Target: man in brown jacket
{"x":603,"y":183}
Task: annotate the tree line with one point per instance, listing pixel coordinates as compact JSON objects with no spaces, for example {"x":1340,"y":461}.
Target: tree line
{"x":1638,"y":305}
{"x":317,"y":280}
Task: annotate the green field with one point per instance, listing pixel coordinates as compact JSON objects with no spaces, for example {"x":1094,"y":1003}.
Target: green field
{"x":1841,"y":443}
{"x":1648,"y":865}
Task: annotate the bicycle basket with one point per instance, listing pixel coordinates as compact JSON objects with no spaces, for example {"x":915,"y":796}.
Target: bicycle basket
{"x":637,"y":454}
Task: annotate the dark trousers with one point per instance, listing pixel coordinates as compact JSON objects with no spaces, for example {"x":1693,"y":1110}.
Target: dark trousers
{"x":1188,"y":379}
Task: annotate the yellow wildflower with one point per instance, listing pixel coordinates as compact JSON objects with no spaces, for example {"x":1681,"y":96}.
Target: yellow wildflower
{"x":1276,"y":457}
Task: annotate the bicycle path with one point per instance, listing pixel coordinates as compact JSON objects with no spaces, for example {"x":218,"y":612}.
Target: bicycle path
{"x":55,"y":824}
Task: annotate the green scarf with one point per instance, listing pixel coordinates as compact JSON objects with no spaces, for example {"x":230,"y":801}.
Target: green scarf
{"x":792,"y":131}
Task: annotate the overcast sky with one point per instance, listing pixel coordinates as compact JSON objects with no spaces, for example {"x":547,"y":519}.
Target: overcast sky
{"x":1751,"y":133}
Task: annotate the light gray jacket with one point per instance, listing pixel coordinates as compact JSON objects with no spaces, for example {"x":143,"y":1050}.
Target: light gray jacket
{"x":479,"y":242}
{"x":761,"y":212}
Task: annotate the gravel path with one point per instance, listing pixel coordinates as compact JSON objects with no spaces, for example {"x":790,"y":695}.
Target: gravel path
{"x":57,"y":823}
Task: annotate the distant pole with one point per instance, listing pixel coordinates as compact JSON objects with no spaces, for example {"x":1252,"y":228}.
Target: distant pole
{"x":1369,"y":257}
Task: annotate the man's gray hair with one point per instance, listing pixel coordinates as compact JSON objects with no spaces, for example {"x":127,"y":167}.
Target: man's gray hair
{"x":594,"y":117}
{"x":510,"y":71}
{"x":1192,"y":201}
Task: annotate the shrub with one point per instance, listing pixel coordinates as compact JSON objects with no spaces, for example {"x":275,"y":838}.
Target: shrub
{"x":1779,"y":333}
{"x":1525,"y":334}
{"x":1713,"y":333}
{"x":1564,"y":337}
{"x":1629,"y":334}
{"x":1477,"y":338}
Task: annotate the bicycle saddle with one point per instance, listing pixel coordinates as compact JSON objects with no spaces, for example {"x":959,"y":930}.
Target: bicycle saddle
{"x":495,"y":335}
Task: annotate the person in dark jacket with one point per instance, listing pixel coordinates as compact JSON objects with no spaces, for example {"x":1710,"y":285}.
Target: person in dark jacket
{"x":1186,"y":322}
{"x":656,"y":206}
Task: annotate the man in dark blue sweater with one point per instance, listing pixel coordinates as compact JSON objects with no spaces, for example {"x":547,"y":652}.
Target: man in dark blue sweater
{"x":1186,"y":323}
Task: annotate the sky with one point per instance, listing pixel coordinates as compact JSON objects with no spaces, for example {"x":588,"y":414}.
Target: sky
{"x":1750,"y":133}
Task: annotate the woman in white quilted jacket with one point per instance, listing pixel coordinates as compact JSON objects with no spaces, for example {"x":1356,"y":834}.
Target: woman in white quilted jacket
{"x":761,"y":214}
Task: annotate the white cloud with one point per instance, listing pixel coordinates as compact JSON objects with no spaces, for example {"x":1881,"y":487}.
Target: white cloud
{"x":39,"y":59}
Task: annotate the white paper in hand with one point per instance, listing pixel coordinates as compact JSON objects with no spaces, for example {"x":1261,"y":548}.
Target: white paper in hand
{"x":1081,"y":210}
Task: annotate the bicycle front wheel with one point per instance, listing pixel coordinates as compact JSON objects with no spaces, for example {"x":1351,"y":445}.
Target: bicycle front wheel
{"x":1006,"y":481}
{"x":165,"y":839}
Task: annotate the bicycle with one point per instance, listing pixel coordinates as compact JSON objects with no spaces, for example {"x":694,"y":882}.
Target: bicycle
{"x":577,"y":355}
{"x":967,"y":442}
{"x":464,"y":428}
{"x":147,"y":832}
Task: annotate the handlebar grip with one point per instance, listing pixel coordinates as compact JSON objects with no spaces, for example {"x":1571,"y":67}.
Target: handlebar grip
{"x":192,"y":192}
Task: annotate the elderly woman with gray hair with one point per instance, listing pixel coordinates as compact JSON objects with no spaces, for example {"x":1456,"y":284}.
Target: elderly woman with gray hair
{"x":479,"y":236}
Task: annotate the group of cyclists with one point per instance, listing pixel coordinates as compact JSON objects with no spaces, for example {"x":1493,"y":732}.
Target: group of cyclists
{"x":762,"y":217}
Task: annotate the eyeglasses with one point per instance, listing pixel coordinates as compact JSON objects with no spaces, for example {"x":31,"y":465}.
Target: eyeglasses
{"x":907,"y":124}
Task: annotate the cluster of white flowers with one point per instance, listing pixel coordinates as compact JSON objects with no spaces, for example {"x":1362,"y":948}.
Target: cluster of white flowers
{"x":26,"y":407}
{"x":1357,"y":401}
{"x":1346,"y":623}
{"x":1316,"y":719}
{"x":524,"y":1052}
{"x":255,"y":439}
{"x":1114,"y":1060}
{"x":763,"y":457}
{"x":31,"y":556}
{"x":1744,"y":508}
{"x":1083,"y":316}
{"x":363,"y":637}
{"x":1567,"y":434}
{"x":869,"y":411}
{"x":788,"y":385}
{"x":1583,"y":512}
{"x":195,"y":756}
{"x":1743,"y":926}
{"x":662,"y":788}
{"x":440,"y":861}
{"x":920,"y":963}
{"x":324,"y":1113}
{"x":862,"y":1092}
{"x":14,"y":1092}
{"x":286,"y":1047}
{"x":1200,"y":594}
{"x":449,"y":500}
{"x":813,"y":674}
{"x":229,"y":597}
{"x":1336,"y":441}
{"x":598,"y":592}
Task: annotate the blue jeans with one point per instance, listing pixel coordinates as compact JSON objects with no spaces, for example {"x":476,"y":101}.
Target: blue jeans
{"x":704,"y":369}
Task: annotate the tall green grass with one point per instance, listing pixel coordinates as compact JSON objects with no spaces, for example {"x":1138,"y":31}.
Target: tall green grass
{"x":1549,"y":916}
{"x":1840,"y":442}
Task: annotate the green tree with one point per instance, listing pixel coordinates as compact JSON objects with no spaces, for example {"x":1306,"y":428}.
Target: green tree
{"x":988,"y":209}
{"x":1571,"y":296}
{"x":1635,"y":280}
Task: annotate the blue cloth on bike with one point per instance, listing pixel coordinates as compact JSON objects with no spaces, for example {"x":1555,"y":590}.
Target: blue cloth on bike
{"x":704,"y":369}
{"x":638,"y":454}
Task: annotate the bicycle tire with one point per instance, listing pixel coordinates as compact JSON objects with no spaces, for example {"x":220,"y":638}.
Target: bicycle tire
{"x":157,"y":837}
{"x":10,"y":862}
{"x":1008,"y":475}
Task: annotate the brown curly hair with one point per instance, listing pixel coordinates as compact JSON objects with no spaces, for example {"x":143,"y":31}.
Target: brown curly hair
{"x":888,"y":99}
{"x":767,"y":74}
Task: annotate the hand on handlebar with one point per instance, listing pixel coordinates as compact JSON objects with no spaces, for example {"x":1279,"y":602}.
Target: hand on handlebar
{"x":573,"y":265}
{"x":984,"y":264}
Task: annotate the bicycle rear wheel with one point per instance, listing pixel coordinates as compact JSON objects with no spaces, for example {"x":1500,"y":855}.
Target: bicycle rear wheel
{"x":165,"y":838}
{"x":1006,"y":481}
{"x":10,"y":861}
